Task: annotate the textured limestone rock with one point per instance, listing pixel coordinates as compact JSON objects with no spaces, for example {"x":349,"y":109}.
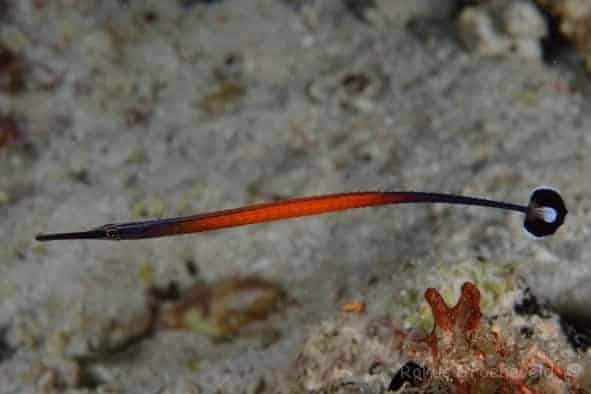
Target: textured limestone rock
{"x":503,"y":28}
{"x":575,"y":23}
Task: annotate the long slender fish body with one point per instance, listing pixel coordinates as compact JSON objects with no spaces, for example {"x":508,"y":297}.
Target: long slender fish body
{"x":542,"y":216}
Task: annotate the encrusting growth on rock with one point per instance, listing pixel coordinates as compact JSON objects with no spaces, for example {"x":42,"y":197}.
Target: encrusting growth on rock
{"x":465,"y":352}
{"x":474,"y":357}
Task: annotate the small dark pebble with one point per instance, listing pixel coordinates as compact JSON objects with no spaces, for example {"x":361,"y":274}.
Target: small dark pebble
{"x":169,"y":293}
{"x":138,"y":116}
{"x":355,"y":83}
{"x":80,"y":176}
{"x":89,"y":379}
{"x":10,"y":131}
{"x":577,"y":332}
{"x":191,"y":267}
{"x":12,"y":78}
{"x":529,"y":305}
{"x":555,"y":45}
{"x":375,"y":368}
{"x":6,"y":351}
{"x":526,"y":332}
{"x":189,"y":3}
{"x":150,"y":16}
{"x":261,"y":386}
{"x":359,"y":8}
{"x":231,"y":68}
{"x":410,"y":372}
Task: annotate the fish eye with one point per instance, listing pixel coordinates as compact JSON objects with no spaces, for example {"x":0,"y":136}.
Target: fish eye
{"x":549,"y":215}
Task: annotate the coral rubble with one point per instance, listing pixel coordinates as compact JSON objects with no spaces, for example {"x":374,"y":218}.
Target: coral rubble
{"x":574,"y":22}
{"x":463,"y":353}
{"x":503,"y":27}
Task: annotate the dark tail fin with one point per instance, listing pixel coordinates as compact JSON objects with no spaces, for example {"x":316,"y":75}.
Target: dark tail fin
{"x":545,"y":212}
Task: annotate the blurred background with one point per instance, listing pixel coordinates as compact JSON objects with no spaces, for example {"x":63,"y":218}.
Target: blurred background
{"x":126,"y":110}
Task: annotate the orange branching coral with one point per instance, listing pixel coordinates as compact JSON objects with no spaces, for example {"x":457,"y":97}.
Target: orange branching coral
{"x":474,"y":357}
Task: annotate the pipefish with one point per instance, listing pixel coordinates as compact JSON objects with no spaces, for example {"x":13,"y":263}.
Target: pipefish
{"x":543,"y":215}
